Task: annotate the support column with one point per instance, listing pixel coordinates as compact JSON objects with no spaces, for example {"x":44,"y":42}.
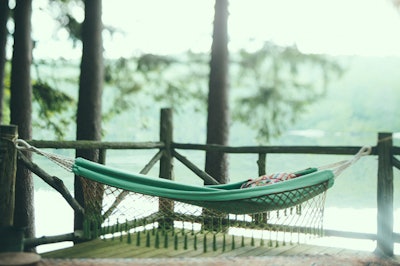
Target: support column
{"x":166,"y":206}
{"x":8,"y":168}
{"x":385,"y":244}
{"x":166,"y":136}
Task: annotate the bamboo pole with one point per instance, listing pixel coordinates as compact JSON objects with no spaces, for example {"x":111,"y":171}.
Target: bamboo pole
{"x":8,"y":168}
{"x":385,"y":241}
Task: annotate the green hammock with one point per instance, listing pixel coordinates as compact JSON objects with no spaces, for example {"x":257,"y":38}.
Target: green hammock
{"x":228,"y":198}
{"x":280,"y":208}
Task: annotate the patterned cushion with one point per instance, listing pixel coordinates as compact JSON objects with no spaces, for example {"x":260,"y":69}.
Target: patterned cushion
{"x":266,"y":180}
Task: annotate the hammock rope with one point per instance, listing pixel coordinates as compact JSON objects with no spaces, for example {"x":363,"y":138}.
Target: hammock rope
{"x":340,"y":166}
{"x":62,"y":161}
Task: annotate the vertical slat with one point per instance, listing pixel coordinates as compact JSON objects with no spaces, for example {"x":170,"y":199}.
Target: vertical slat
{"x":8,"y":168}
{"x":385,"y":243}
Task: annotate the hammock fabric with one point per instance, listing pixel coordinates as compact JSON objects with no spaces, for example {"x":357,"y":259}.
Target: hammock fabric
{"x":228,"y":198}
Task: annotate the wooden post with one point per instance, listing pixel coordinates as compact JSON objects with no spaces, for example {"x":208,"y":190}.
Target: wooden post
{"x":385,"y":244}
{"x":166,"y":136}
{"x":166,"y":163}
{"x":8,"y":168}
{"x":261,"y":162}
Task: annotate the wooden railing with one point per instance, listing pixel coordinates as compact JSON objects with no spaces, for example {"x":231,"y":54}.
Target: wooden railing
{"x":168,"y":149}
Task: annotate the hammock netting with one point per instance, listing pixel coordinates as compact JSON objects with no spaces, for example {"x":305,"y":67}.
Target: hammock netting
{"x":157,"y":211}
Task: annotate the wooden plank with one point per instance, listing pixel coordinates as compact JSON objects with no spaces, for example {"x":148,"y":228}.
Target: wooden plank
{"x":314,"y":250}
{"x":121,"y":249}
{"x":116,"y":248}
{"x":265,"y":250}
{"x":291,"y":250}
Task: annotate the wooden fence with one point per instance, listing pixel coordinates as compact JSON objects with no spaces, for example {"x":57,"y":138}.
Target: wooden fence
{"x":168,"y":149}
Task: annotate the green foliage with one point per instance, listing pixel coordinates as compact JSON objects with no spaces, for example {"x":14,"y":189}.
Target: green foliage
{"x":6,"y":95}
{"x":149,"y":63}
{"x":68,"y":14}
{"x":270,"y":88}
{"x":65,"y":13}
{"x":163,"y":80}
{"x":276,"y":84}
{"x":174,"y":81}
{"x":120,"y":76}
{"x":53,"y":105}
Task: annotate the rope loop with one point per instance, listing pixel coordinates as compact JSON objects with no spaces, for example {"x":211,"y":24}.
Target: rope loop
{"x":364,"y":151}
{"x":65,"y":162}
{"x":22,"y":145}
{"x":339,"y":167}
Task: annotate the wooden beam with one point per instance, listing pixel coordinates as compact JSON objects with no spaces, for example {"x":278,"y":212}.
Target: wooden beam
{"x":121,"y":196}
{"x":90,"y":144}
{"x":54,"y":182}
{"x":203,"y":175}
{"x":396,"y":163}
{"x":33,"y":242}
{"x":337,"y":150}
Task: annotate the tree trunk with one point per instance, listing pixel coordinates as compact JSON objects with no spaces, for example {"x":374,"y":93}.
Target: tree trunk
{"x":90,"y":96}
{"x":21,"y":111}
{"x":4,"y":13}
{"x":218,"y":107}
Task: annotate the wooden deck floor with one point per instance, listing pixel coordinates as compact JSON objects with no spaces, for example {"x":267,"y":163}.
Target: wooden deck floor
{"x":150,"y":247}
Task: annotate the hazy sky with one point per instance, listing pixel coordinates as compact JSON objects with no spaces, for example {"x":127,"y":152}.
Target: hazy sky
{"x":363,"y":27}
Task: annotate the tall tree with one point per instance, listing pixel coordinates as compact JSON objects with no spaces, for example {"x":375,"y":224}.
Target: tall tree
{"x":218,"y":107}
{"x":21,"y":110}
{"x":4,"y":13}
{"x":90,"y":93}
